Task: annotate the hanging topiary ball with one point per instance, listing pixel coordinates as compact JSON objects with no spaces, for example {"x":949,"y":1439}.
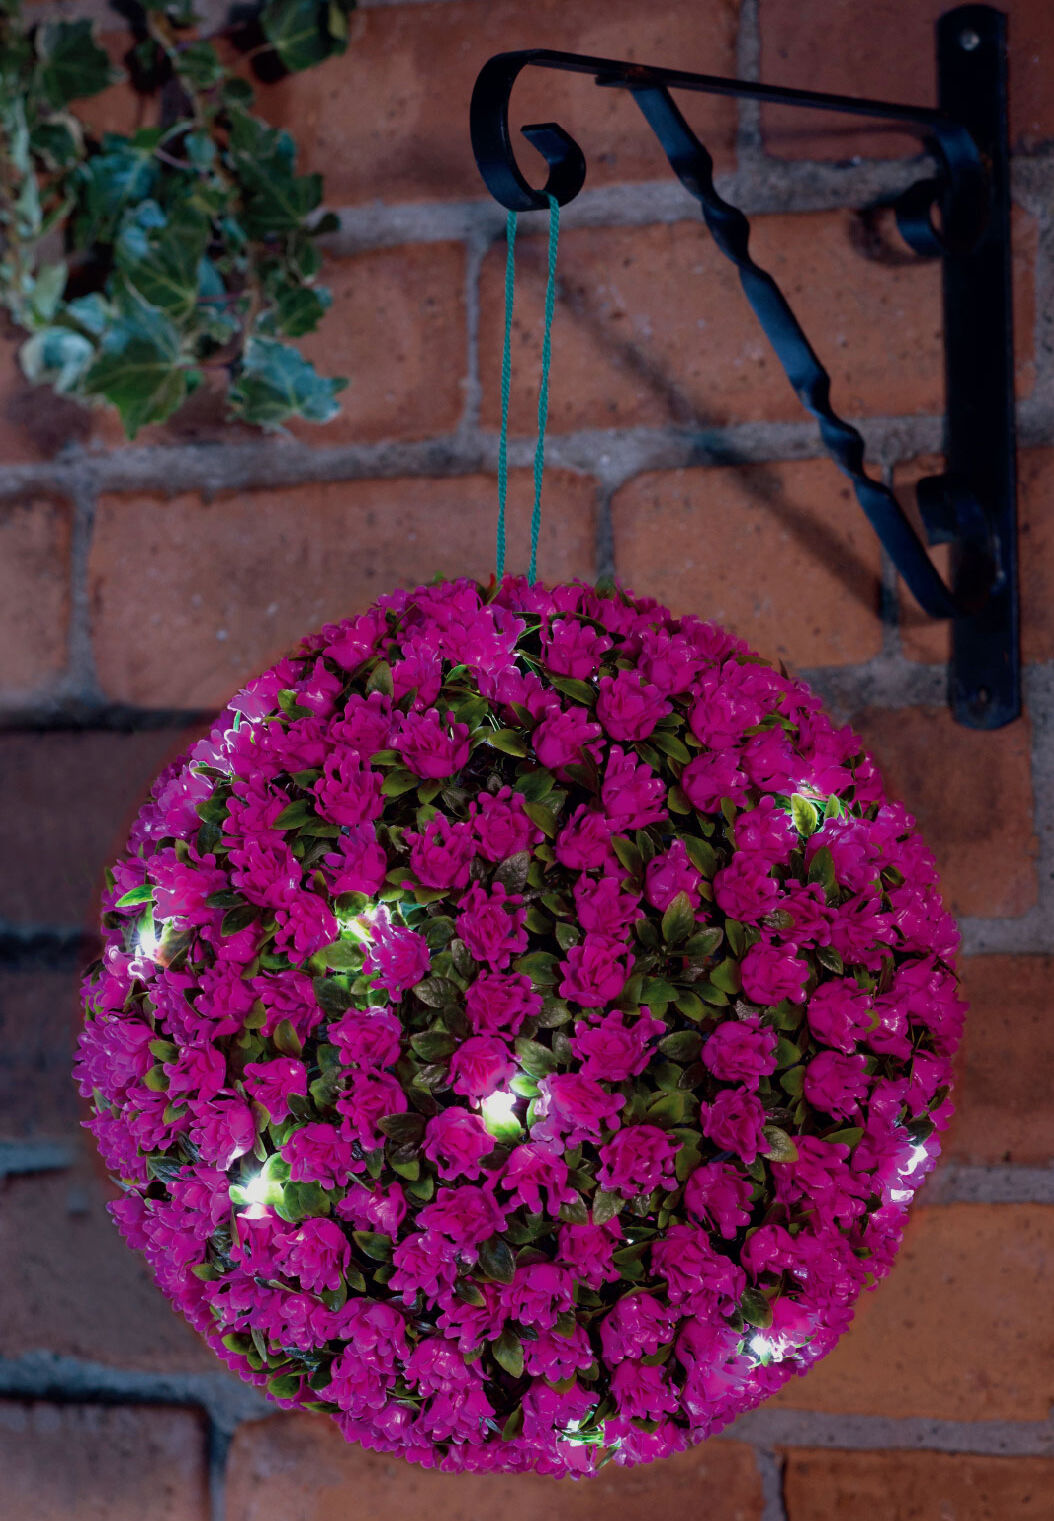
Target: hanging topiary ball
{"x":522,"y":1025}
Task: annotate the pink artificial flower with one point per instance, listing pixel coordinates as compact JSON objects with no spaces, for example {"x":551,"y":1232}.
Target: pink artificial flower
{"x":397,"y":958}
{"x":501,"y":825}
{"x":304,"y":925}
{"x":709,"y":778}
{"x":481,"y":1065}
{"x":610,"y":1049}
{"x":669,"y":873}
{"x":369,"y":1097}
{"x":348,"y":792}
{"x":745,"y":889}
{"x":836,"y":1084}
{"x":572,"y":1107}
{"x":584,"y":843}
{"x":466,"y":1215}
{"x":440,"y":856}
{"x":767,"y":831}
{"x":734,"y":1122}
{"x":456,"y":1141}
{"x":602,"y":908}
{"x":222,"y":1129}
{"x":316,"y":1252}
{"x":636,"y":1326}
{"x":564,"y":737}
{"x":491,"y":925}
{"x":366,"y":724}
{"x":690,"y":1265}
{"x":588,"y":1250}
{"x":532,"y":1167}
{"x":358,"y":865}
{"x":366,"y":1037}
{"x":571,"y":648}
{"x":424,"y":1262}
{"x":717,"y":1194}
{"x":840,"y":1014}
{"x":638,"y":1159}
{"x":319,"y":1153}
{"x":538,"y":1294}
{"x":643,"y":1393}
{"x":772,"y":973}
{"x":633,"y":796}
{"x":740,"y":1051}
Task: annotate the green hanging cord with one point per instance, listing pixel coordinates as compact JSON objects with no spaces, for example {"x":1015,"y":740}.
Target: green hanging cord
{"x":506,"y":381}
{"x":543,"y":389}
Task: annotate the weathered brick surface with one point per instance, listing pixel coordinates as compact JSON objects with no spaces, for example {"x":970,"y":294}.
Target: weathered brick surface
{"x":232,"y":583}
{"x":102,"y":1463}
{"x":71,"y":797}
{"x":957,"y":1332}
{"x":73,"y":1287}
{"x":917,"y":1486}
{"x":925,"y":640}
{"x":949,"y":777}
{"x":779,"y":553}
{"x":39,"y":1015}
{"x":652,"y":327}
{"x":1003,"y":1104}
{"x":886,"y":50}
{"x":34,"y":592}
{"x":294,"y":1468}
{"x":389,"y":120}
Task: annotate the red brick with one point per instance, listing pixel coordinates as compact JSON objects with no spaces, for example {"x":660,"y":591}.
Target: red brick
{"x":917,"y":1486}
{"x":389,"y":120}
{"x":73,"y":797}
{"x":189,"y":598}
{"x":958,"y":1332}
{"x":779,"y":553}
{"x":950,"y":778}
{"x":396,"y":329}
{"x":103,"y":1463}
{"x":885,"y":49}
{"x":297,"y":1468}
{"x":925,"y":640}
{"x":1003,"y":1104}
{"x":39,"y":1017}
{"x":73,"y":1287}
{"x":34,"y":591}
{"x":652,"y":327}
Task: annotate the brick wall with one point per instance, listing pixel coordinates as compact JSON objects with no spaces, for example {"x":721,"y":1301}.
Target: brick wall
{"x":140,"y":584}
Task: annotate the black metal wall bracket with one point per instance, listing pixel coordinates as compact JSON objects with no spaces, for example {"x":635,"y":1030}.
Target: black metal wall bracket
{"x":960,"y":214}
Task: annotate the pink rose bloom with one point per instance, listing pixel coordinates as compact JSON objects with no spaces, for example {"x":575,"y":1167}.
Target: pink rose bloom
{"x":854,"y":850}
{"x":609,"y":1049}
{"x":602,"y":908}
{"x":628,"y":707}
{"x":273,"y":1083}
{"x":806,"y":903}
{"x":491,"y":925}
{"x":772,"y":973}
{"x":427,"y":748}
{"x":358,"y":865}
{"x":667,"y":659}
{"x":641,"y":1392}
{"x":304,"y":926}
{"x":435,"y":1366}
{"x":318,"y":689}
{"x":740,"y":1051}
{"x":733,"y":1122}
{"x":633,"y":796}
{"x":767,"y":831}
{"x":366,"y":1037}
{"x":348,"y":792}
{"x":595,"y":971}
{"x":726,"y":706}
{"x":570,"y":648}
{"x":466,"y":1215}
{"x":717,"y":1194}
{"x":572,"y":1107}
{"x":839,"y":1014}
{"x":441,"y":855}
{"x":424,"y":1262}
{"x":317,"y":1253}
{"x":368,"y":1098}
{"x":531,"y":1168}
{"x":538,"y":1294}
{"x":584,"y":843}
{"x":320,"y":1154}
{"x":709,"y":778}
{"x":688,"y":1262}
{"x":564,"y":737}
{"x":637,"y":1159}
{"x":502,"y":825}
{"x":374,"y":1209}
{"x":397,"y":958}
{"x":499,"y":1002}
{"x":836,"y":1084}
{"x":669,"y":873}
{"x":200,"y":1070}
{"x":554,"y":1356}
{"x":744,"y":889}
{"x":221,"y":1128}
{"x":480,"y":1066}
{"x":456,"y":1141}
{"x":181,"y":887}
{"x":588,"y":1250}
{"x":861,"y":933}
{"x":421,"y":672}
{"x":635,"y":1327}
{"x":770,"y":761}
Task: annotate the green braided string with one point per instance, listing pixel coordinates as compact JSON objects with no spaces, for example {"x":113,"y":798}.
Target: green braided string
{"x":506,"y":380}
{"x":543,"y":389}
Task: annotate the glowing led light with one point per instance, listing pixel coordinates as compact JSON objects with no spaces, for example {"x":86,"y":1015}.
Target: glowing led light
{"x":918,"y":1154}
{"x":147,"y":940}
{"x":767,"y":1349}
{"x":900,"y":1195}
{"x":499,"y":1115}
{"x":257,"y":1190}
{"x":361,"y":924}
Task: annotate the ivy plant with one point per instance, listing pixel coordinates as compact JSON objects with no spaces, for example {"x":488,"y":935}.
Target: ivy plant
{"x":136,"y":263}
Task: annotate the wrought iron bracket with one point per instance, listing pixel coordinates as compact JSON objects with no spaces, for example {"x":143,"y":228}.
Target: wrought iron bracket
{"x":959,"y":213}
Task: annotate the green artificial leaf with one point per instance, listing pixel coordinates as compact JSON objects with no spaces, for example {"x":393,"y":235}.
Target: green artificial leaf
{"x":512,"y":872}
{"x":295,"y":814}
{"x":508,"y":1352}
{"x":804,"y":814}
{"x":433,"y":1045}
{"x":678,"y":921}
{"x":682,"y":1045}
{"x":506,"y":740}
{"x":286,"y":1040}
{"x":821,"y":869}
{"x":755,"y":1309}
{"x":142,"y":894}
{"x":778,"y":1146}
{"x":535,"y":785}
{"x":275,"y":382}
{"x":540,"y":966}
{"x":374,"y":1244}
{"x":332,"y":995}
{"x":137,"y":369}
{"x":70,"y":63}
{"x":496,"y":1259}
{"x":535,"y":1059}
{"x":606,"y":1206}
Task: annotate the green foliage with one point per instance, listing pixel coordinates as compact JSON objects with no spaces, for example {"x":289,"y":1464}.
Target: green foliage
{"x":137,"y":263}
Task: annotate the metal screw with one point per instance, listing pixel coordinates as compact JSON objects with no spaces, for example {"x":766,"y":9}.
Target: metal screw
{"x":968,"y":40}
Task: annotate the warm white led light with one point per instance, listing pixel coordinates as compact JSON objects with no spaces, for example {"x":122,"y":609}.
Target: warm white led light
{"x":499,"y":1109}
